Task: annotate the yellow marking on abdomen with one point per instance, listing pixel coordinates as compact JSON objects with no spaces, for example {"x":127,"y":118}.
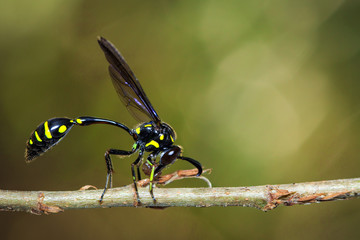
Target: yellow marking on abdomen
{"x":148,"y":125}
{"x":137,"y":130}
{"x":171,"y":138}
{"x":78,"y":120}
{"x":47,"y":130}
{"x":152,"y":142}
{"x":31,"y":142}
{"x":37,"y":137}
{"x":162,"y":137}
{"x":62,"y":128}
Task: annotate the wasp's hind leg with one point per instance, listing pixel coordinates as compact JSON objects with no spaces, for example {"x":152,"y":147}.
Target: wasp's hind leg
{"x":137,"y":163}
{"x":151,"y":178}
{"x":193,"y":162}
{"x":109,"y":167}
{"x":151,"y":171}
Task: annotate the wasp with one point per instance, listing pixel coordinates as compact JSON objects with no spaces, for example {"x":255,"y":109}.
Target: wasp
{"x":151,"y":136}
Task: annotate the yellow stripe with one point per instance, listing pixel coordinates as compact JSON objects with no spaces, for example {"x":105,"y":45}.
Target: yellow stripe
{"x":152,"y":177}
{"x":37,"y":137}
{"x":147,"y":125}
{"x":161,"y":137}
{"x":47,"y":130}
{"x":31,"y":142}
{"x":152,"y":142}
{"x":137,"y":130}
{"x":62,"y":129}
{"x":171,"y":138}
{"x":79,"y":121}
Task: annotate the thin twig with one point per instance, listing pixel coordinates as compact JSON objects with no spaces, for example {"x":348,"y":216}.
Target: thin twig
{"x":265,"y":197}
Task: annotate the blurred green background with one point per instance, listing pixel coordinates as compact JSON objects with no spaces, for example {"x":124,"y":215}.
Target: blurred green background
{"x":263,"y":92}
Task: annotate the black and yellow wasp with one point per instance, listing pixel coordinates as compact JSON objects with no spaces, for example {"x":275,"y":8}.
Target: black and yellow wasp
{"x":153,"y":135}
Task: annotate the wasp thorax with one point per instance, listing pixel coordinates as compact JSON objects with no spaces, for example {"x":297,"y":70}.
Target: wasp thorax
{"x":169,"y":131}
{"x":154,"y":137}
{"x":146,"y":131}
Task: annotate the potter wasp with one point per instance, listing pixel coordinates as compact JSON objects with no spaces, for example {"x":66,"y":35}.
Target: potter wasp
{"x":152,"y":136}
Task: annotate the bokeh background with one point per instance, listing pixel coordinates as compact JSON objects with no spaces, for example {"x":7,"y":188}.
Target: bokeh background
{"x":262,"y":92}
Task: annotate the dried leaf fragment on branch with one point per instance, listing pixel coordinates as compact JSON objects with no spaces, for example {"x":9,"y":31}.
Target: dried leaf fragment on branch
{"x":178,"y":175}
{"x":282,"y":196}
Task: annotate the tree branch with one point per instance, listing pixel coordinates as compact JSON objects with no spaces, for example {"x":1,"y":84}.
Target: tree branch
{"x":265,"y":197}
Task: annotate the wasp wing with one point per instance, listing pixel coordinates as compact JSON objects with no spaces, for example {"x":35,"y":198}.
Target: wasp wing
{"x":127,"y":86}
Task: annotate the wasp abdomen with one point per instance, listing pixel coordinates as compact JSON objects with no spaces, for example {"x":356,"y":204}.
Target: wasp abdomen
{"x":46,"y":135}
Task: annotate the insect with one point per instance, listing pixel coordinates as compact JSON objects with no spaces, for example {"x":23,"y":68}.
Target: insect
{"x":152,"y":135}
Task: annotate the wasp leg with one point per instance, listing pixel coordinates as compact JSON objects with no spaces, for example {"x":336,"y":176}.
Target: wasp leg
{"x":193,"y":162}
{"x":152,"y":174}
{"x":138,"y":171}
{"x":137,"y":162}
{"x":152,"y":183}
{"x":109,"y":167}
{"x":151,"y":161}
